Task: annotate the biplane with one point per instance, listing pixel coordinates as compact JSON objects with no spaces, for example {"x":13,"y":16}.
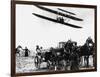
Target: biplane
{"x":61,"y":13}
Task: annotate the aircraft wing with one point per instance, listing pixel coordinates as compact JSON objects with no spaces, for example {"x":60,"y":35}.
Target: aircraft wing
{"x":66,"y":11}
{"x":59,"y":13}
{"x":53,"y":20}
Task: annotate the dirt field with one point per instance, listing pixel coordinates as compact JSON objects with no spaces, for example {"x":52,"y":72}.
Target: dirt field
{"x":26,"y":64}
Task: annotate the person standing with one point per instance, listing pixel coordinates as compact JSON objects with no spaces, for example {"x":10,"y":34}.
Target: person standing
{"x":74,"y":61}
{"x":38,"y":50}
{"x":26,"y":52}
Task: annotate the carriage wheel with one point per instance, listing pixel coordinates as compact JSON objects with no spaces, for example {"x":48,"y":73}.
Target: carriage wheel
{"x":36,"y":61}
{"x":49,"y":64}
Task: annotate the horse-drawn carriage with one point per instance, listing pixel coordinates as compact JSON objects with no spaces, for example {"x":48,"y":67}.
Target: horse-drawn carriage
{"x":56,"y":58}
{"x":66,"y":58}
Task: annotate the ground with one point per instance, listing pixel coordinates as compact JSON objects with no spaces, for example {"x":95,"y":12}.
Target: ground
{"x":26,"y":64}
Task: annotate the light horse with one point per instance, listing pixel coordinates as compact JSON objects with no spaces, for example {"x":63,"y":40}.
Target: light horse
{"x":18,"y":50}
{"x":21,"y":52}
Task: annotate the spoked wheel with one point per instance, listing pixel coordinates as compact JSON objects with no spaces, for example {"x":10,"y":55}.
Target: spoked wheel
{"x":37,"y":62}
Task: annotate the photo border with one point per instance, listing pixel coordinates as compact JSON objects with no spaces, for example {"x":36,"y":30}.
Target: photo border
{"x":13,"y":36}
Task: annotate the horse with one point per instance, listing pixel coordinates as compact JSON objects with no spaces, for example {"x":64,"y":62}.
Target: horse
{"x":18,"y":50}
{"x":73,"y":54}
{"x":22,"y":52}
{"x":57,"y":58}
{"x":86,"y":50}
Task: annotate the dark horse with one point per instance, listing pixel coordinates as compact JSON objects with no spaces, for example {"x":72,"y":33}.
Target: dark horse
{"x":55,"y":58}
{"x":61,"y":58}
{"x":72,"y":49}
{"x":86,"y":50}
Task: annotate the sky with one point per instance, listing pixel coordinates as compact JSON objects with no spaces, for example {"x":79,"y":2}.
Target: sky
{"x":32,"y":30}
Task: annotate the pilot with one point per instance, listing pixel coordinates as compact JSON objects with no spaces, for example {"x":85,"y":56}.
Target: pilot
{"x":62,"y":20}
{"x":57,"y":18}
